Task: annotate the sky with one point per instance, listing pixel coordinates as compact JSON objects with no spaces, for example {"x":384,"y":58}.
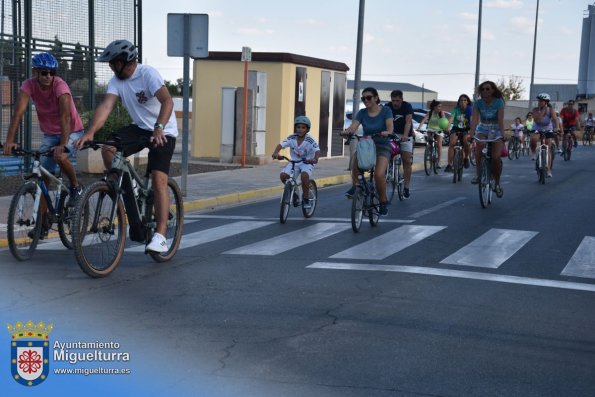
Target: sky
{"x":429,"y":42}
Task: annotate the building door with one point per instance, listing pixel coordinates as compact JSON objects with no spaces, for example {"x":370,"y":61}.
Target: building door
{"x":300,"y":92}
{"x":325,"y":96}
{"x":338,"y":118}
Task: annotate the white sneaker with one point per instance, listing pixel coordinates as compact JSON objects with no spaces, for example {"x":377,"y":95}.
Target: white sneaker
{"x":158,"y":244}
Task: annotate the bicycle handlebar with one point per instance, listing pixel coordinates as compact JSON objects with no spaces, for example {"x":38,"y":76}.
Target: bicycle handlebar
{"x":19,"y":151}
{"x":117,"y":143}
{"x":305,"y":161}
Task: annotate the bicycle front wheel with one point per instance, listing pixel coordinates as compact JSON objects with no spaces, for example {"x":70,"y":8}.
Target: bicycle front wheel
{"x":98,"y":242}
{"x":428,"y":159}
{"x":24,"y":222}
{"x":175,"y":222}
{"x":400,"y":181}
{"x":510,"y":149}
{"x":391,"y":180}
{"x":357,"y":208}
{"x":542,"y":170}
{"x":457,"y":165}
{"x":313,"y":196}
{"x":285,"y":202}
{"x":484,"y":184}
{"x":374,"y":210}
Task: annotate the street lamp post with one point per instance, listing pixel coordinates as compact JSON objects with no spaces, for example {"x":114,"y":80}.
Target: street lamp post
{"x":477,"y":56}
{"x":533,"y":63}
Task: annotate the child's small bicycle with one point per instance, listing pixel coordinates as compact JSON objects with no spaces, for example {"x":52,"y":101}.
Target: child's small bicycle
{"x":292,"y":193}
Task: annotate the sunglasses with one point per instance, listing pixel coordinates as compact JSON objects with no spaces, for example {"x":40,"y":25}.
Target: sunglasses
{"x":47,"y":72}
{"x":367,"y":98}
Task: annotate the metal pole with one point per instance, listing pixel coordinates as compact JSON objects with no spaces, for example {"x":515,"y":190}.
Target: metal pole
{"x":244,"y":113}
{"x":478,"y":54}
{"x":533,"y":63}
{"x":185,"y":103}
{"x":358,"y":57}
{"x":91,"y":56}
{"x":358,"y":71}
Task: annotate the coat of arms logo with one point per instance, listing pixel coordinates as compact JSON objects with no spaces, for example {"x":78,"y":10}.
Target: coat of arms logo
{"x":29,"y":352}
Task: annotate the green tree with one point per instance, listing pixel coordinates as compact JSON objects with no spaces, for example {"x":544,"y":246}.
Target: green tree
{"x":512,"y":88}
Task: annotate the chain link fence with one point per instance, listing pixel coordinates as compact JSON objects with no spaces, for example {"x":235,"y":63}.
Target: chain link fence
{"x":75,"y":32}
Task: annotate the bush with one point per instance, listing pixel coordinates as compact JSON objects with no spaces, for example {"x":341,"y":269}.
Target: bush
{"x":117,"y":119}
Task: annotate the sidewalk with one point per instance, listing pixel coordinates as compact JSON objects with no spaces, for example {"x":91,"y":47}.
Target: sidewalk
{"x":229,"y":187}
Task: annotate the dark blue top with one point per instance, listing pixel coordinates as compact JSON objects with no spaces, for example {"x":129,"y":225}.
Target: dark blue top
{"x":399,"y":117}
{"x":376,"y":124}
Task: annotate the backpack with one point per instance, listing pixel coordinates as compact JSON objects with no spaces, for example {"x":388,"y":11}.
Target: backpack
{"x":366,"y":154}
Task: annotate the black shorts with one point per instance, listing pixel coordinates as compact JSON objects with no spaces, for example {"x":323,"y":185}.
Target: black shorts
{"x":159,"y":156}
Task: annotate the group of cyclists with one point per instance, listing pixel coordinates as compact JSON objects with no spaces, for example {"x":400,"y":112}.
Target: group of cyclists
{"x":144,"y":95}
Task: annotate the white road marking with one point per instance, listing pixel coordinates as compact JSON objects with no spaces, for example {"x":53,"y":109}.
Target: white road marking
{"x":490,"y":249}
{"x":291,"y":240}
{"x":457,"y":274}
{"x":212,"y":234}
{"x":582,"y":263}
{"x":389,"y":243}
{"x":384,"y":220}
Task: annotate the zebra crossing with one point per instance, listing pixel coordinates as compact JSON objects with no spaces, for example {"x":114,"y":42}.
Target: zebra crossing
{"x":489,"y":250}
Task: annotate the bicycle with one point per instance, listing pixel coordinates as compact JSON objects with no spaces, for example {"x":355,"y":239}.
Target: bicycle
{"x":121,"y":196}
{"x":26,"y":224}
{"x":514,"y":147}
{"x":365,"y":200}
{"x":293,"y":193}
{"x":394,"y":172}
{"x":457,"y":159}
{"x":567,"y":143}
{"x":587,"y":135}
{"x":431,"y":153}
{"x":486,"y":183}
{"x":542,"y":162}
{"x":526,"y":150}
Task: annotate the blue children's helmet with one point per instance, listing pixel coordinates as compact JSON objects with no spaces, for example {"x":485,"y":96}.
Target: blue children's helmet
{"x":44,"y":60}
{"x":302,"y":120}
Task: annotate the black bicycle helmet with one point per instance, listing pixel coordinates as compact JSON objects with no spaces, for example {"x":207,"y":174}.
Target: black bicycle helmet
{"x":119,"y":48}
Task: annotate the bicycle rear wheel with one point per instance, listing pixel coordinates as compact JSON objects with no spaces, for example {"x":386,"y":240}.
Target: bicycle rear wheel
{"x":567,"y":149}
{"x":511,"y":149}
{"x":285,"y":202}
{"x":484,"y":184}
{"x":65,"y":222}
{"x":24,"y":225}
{"x":313,"y":196}
{"x":391,"y":180}
{"x":175,"y":222}
{"x":357,"y":208}
{"x":98,"y":243}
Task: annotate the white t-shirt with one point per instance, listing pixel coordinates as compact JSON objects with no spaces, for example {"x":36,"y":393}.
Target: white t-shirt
{"x":138,"y":96}
{"x":304,"y":151}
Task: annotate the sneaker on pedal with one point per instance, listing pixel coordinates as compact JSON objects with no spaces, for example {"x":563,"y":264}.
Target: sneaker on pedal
{"x":475,"y":180}
{"x":438,"y":166}
{"x":406,"y":194}
{"x":307,"y":204}
{"x":383,"y":209}
{"x":158,"y":244}
{"x":549,"y":174}
{"x":349,"y":194}
{"x":75,"y":193}
{"x":448,"y":168}
{"x":466,"y":163}
{"x":499,"y":192}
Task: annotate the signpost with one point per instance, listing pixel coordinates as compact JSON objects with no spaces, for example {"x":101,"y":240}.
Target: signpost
{"x":187,"y":36}
{"x":246,"y":58}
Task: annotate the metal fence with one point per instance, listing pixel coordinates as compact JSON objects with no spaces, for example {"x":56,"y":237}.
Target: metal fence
{"x":75,"y":32}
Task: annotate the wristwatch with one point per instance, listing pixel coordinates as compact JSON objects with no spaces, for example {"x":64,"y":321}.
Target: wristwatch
{"x":158,"y":125}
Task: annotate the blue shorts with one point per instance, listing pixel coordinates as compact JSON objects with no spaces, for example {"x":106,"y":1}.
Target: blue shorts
{"x":49,"y":141}
{"x":490,"y":131}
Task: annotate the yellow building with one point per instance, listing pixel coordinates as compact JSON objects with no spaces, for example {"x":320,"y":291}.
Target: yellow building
{"x":295,"y":85}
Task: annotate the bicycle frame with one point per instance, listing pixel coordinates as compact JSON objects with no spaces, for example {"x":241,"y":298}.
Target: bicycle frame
{"x":544,"y":156}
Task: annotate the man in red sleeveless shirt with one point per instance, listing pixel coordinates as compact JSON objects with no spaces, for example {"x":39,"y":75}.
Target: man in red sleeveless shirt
{"x":570,"y":119}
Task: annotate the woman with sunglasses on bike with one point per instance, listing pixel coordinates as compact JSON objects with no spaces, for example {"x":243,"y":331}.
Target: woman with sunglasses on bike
{"x":460,"y":119}
{"x":488,"y":123}
{"x":377,"y":121}
{"x":546,"y":122}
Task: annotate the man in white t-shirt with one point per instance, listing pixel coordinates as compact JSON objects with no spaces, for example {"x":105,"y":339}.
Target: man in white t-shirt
{"x":150,"y":106}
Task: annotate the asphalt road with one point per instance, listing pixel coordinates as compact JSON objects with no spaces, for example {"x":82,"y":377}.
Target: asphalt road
{"x":442,"y":298}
